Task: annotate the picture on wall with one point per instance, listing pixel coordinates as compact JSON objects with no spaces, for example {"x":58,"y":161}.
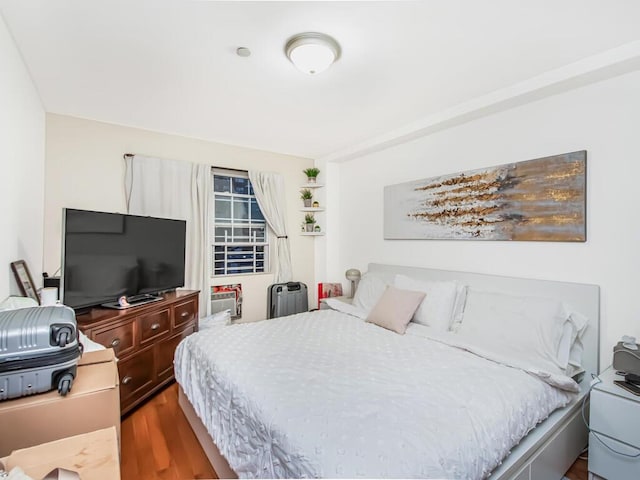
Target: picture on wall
{"x":535,"y":200}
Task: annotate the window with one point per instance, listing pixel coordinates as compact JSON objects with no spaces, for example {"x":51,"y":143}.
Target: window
{"x":239,"y":231}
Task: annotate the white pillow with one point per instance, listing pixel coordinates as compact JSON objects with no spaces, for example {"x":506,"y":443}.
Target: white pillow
{"x":458,"y":308}
{"x":525,"y":328}
{"x":370,"y":290}
{"x":437,"y":308}
{"x":570,"y":348}
{"x":215,"y":319}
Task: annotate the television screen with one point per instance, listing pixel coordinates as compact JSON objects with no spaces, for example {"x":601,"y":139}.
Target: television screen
{"x":108,"y":255}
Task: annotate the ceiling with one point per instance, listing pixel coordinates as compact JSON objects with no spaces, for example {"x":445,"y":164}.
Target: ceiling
{"x":170,"y":66}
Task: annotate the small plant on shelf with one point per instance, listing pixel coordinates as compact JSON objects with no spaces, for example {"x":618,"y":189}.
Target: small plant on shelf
{"x":311,"y":174}
{"x":309,"y":221}
{"x":306,"y":197}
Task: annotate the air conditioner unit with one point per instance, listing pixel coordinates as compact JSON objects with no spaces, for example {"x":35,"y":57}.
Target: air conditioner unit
{"x":221,"y":301}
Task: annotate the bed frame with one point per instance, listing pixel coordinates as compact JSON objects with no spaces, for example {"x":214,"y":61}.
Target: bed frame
{"x":548,"y":451}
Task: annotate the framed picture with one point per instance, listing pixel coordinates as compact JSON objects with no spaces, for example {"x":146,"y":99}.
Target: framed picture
{"x":25,"y":282}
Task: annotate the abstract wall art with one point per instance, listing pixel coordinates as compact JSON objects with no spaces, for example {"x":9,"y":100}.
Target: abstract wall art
{"x":535,"y":200}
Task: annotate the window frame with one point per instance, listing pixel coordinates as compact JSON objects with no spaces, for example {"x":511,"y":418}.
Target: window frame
{"x":249,"y":246}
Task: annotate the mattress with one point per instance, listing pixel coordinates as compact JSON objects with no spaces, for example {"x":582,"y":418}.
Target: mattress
{"x":324,"y":394}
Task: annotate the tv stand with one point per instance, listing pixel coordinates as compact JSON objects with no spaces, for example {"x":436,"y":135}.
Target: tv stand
{"x":144,"y":339}
{"x":133,"y":301}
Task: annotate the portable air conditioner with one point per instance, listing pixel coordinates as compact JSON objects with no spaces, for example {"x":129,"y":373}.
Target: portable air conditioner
{"x":221,"y":301}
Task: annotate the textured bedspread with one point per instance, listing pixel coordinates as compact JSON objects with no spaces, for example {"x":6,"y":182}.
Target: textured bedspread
{"x":324,"y":394}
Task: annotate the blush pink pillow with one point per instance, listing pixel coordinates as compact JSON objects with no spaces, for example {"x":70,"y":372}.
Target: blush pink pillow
{"x":395,"y":309}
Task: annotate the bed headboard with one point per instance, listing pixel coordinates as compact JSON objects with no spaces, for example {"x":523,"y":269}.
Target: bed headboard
{"x":583,"y":298}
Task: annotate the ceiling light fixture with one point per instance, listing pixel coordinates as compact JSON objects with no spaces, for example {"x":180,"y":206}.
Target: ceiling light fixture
{"x":312,"y":52}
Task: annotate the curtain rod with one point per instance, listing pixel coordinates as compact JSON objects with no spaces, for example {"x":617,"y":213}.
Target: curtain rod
{"x":221,"y":168}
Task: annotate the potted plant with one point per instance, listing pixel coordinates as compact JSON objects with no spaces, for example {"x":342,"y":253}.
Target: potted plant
{"x":306,"y":197}
{"x":311,"y":174}
{"x":309,"y":222}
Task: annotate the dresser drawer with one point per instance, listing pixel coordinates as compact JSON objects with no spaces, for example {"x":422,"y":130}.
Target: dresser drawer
{"x":185,"y":312}
{"x":166,"y":352}
{"x":153,"y":325}
{"x":615,"y":417}
{"x":120,"y":338}
{"x":136,"y":375}
{"x":611,"y":465}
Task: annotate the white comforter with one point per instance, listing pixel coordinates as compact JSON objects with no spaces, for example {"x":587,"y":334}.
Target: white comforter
{"x":324,"y":394}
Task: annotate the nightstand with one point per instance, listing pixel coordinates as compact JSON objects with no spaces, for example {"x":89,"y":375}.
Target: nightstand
{"x":615,"y":421}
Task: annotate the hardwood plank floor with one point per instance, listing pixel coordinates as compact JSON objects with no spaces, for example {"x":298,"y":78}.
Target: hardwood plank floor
{"x":158,"y":443}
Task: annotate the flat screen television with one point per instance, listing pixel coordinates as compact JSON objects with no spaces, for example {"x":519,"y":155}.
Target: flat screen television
{"x":109,"y":255}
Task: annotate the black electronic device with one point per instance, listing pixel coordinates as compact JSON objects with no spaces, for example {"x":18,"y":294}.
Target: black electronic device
{"x":632,"y":378}
{"x":106,"y":256}
{"x":629,"y":387}
{"x":48,"y":281}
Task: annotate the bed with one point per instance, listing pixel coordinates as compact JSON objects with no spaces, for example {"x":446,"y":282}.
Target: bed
{"x":324,"y":394}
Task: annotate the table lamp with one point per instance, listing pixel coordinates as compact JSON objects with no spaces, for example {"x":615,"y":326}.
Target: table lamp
{"x":353,"y":275}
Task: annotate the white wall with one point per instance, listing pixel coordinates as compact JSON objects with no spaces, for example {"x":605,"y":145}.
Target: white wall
{"x":85,"y":169}
{"x":602,"y":118}
{"x":22,"y":166}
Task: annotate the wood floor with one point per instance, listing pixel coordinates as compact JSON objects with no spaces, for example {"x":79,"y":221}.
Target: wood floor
{"x":158,"y":443}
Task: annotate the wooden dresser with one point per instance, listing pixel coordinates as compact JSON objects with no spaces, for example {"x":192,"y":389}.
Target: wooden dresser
{"x":144,"y":339}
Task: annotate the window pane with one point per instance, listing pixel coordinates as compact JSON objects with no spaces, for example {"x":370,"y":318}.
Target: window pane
{"x":223,"y":208}
{"x":241,"y":210}
{"x":241,"y":234}
{"x":221,"y":183}
{"x":237,"y":225}
{"x":241,"y":186}
{"x":220,"y":234}
{"x":256,"y":214}
{"x":257,"y":234}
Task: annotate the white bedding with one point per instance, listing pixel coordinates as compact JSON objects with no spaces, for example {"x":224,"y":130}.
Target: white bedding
{"x":324,"y":394}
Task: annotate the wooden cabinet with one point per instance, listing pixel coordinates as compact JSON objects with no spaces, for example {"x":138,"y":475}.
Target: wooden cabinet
{"x":144,"y":339}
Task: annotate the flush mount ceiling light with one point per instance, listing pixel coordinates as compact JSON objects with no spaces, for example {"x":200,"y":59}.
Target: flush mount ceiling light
{"x":312,"y":52}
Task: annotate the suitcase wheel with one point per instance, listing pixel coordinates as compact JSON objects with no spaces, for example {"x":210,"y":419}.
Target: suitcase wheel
{"x":61,"y":335}
{"x":64,"y":384}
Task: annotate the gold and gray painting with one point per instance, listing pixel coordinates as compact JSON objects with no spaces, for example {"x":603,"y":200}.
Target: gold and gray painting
{"x":536,"y":200}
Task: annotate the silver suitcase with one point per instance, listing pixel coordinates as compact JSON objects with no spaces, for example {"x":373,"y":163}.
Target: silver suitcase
{"x":286,"y":299}
{"x":39,"y":351}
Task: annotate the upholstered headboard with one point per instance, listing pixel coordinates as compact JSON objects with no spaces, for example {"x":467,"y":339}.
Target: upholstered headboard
{"x":583,"y":298}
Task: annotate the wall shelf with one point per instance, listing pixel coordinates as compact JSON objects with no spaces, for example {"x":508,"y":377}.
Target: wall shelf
{"x":312,"y":210}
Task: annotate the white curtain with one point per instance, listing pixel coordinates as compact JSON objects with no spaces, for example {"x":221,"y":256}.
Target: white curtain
{"x":178,"y":190}
{"x":269,"y":190}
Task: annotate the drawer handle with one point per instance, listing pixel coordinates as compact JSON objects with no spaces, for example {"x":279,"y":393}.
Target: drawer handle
{"x":126,"y":380}
{"x":155,"y":326}
{"x":184,"y":314}
{"x":115,"y":342}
